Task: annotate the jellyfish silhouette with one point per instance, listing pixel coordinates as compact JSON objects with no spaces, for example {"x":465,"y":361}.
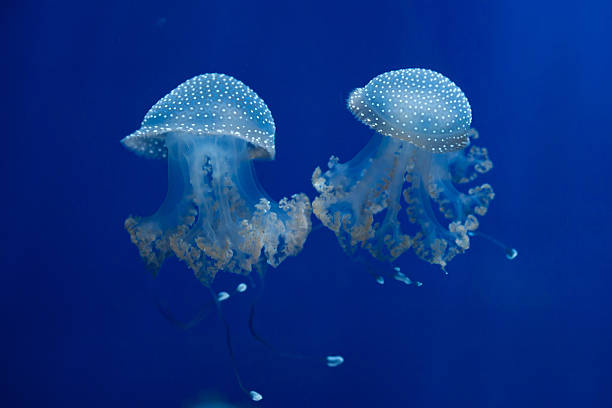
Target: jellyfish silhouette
{"x":215,"y":216}
{"x":422,"y":120}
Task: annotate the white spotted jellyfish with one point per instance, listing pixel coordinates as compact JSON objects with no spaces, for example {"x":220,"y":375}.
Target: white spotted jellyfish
{"x":215,"y":216}
{"x":397,"y":191}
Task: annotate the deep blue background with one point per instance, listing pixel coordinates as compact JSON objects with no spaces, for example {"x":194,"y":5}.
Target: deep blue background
{"x":79,"y":326}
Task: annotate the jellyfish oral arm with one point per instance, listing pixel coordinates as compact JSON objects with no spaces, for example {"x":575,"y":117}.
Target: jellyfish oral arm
{"x":361,"y":200}
{"x":354,"y":193}
{"x":216,"y":217}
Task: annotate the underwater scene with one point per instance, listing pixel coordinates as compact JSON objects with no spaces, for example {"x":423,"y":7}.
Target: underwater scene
{"x":306,"y":204}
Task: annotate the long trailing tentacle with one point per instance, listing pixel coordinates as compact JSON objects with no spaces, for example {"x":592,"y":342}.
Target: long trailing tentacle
{"x":509,"y":251}
{"x":205,"y":311}
{"x":329,"y":360}
{"x":252,"y":394}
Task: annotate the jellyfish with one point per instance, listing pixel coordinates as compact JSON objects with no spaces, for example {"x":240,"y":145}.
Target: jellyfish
{"x":216,"y":217}
{"x":399,"y":192}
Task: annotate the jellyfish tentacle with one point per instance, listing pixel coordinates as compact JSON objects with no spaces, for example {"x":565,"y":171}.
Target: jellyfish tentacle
{"x":360,"y":201}
{"x":224,"y":221}
{"x":329,"y":360}
{"x":359,"y":191}
{"x":509,"y":251}
{"x":252,"y":394}
{"x":355,"y":195}
{"x":431,"y":243}
{"x":201,"y":314}
{"x":466,"y":166}
{"x":389,"y":239}
{"x":453,"y":204}
{"x":149,"y":238}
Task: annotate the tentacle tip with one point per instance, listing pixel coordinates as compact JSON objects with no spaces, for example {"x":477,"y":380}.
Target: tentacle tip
{"x":334,"y":361}
{"x":255,"y":396}
{"x":221,"y":296}
{"x":380,"y":280}
{"x":399,"y":276}
{"x":511,"y":253}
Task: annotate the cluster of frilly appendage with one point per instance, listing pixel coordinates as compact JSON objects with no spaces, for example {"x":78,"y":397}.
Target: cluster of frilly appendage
{"x":397,"y":193}
{"x":215,"y":216}
{"x":384,"y":200}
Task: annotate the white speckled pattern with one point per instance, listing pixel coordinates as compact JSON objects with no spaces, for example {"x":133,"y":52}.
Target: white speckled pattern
{"x":207,"y":105}
{"x":418,"y":105}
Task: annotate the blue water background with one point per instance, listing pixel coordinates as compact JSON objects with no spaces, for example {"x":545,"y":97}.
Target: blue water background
{"x":79,"y":321}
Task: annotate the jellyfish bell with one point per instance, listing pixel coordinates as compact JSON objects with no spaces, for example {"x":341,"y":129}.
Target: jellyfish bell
{"x":405,"y":177}
{"x":215,"y":216}
{"x":206,"y":105}
{"x":420,"y":106}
